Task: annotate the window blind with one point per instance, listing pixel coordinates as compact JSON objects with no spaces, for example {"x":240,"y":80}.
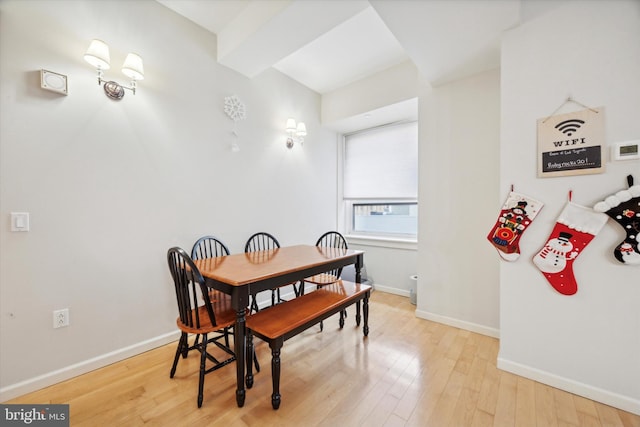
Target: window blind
{"x":382,"y":163}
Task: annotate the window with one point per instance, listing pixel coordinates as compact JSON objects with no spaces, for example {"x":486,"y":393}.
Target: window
{"x":380,"y":181}
{"x":397,"y":218}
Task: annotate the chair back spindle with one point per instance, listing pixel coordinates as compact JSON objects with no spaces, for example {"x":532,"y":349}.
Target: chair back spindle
{"x":260,"y":242}
{"x":333,"y":239}
{"x":209,"y":247}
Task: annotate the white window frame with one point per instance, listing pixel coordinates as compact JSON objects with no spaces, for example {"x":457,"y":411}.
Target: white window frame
{"x":345,"y":215}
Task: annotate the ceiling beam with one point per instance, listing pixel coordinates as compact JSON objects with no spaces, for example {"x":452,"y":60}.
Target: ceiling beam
{"x":267,"y":31}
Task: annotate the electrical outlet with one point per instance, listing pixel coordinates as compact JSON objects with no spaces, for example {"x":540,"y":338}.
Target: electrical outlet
{"x":61,"y":318}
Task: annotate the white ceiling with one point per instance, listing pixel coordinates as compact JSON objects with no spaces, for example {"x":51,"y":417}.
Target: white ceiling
{"x":356,"y":48}
{"x":328,"y":44}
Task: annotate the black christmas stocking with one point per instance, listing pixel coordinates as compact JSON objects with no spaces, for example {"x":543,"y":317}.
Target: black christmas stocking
{"x":624,"y":208}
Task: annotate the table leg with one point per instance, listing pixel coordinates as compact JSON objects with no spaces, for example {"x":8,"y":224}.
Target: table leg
{"x":365,"y":309}
{"x":239,"y":343}
{"x":249,"y":357}
{"x":276,"y":346}
{"x":358,"y":280}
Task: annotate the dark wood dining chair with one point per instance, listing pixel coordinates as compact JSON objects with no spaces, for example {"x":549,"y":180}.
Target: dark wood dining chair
{"x":330,"y":239}
{"x":211,"y":247}
{"x":262,"y":241}
{"x":199,"y":315}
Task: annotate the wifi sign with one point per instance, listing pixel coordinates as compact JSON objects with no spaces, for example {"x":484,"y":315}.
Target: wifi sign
{"x":568,"y":127}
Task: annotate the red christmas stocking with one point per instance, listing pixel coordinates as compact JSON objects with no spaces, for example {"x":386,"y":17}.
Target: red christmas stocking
{"x":624,"y":208}
{"x":517,"y":213}
{"x":574,"y":229}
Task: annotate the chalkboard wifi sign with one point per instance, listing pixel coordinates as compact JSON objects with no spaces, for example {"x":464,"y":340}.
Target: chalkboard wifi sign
{"x":571,"y":144}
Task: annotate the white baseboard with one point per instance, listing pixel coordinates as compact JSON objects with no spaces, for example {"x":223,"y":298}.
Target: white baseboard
{"x":469,"y":326}
{"x":50,"y":378}
{"x":286,"y":295}
{"x":607,"y":397}
{"x":457,"y":323}
{"x":473,"y":327}
{"x":395,"y":291}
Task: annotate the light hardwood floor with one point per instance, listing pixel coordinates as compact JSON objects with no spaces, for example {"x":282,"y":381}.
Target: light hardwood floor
{"x":408,"y":372}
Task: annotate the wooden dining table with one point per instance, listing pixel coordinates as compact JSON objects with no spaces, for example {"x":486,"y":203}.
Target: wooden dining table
{"x":244,"y":275}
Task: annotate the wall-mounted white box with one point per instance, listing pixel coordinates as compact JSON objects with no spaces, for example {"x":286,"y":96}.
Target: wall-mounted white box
{"x":55,"y":82}
{"x":627,"y":150}
{"x":19,"y":221}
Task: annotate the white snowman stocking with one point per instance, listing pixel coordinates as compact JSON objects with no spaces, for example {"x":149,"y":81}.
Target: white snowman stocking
{"x":624,"y":208}
{"x":574,"y":229}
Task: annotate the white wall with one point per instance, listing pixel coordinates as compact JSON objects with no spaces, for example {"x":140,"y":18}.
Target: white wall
{"x":388,"y":266}
{"x":391,"y":86}
{"x":458,"y":269}
{"x":387,"y":96}
{"x":459,"y":133}
{"x":588,"y":343}
{"x":110,"y":186}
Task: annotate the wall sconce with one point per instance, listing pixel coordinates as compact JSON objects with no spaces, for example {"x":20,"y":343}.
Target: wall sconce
{"x":98,"y":56}
{"x":295,"y":132}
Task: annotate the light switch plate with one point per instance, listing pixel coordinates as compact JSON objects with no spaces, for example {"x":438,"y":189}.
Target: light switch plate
{"x":19,"y":221}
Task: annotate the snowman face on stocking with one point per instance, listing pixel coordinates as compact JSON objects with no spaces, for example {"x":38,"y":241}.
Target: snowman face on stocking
{"x":553,"y":257}
{"x":628,"y":251}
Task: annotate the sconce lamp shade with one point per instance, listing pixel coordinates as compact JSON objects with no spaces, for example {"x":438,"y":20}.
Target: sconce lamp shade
{"x":132,"y":67}
{"x":301,"y":130}
{"x":291,"y":125}
{"x":295,"y":133}
{"x":98,"y":55}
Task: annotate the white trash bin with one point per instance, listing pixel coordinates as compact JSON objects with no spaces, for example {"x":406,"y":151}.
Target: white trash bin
{"x":412,"y":289}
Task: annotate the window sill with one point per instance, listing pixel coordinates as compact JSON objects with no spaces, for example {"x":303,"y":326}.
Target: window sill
{"x":383,"y":242}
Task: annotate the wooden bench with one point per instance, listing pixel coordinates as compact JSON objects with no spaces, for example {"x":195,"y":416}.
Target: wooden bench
{"x":277,"y":324}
